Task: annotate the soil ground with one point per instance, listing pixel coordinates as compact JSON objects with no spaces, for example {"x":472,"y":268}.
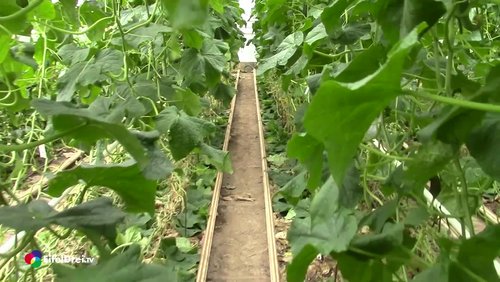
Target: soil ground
{"x":239,"y":249}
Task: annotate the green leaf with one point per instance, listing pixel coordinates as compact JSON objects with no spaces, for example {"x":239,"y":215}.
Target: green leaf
{"x":17,"y":25}
{"x":206,"y":64}
{"x":331,"y":226}
{"x":193,"y":38}
{"x":84,"y":73}
{"x":38,"y":214}
{"x":412,"y":176}
{"x":399,"y":18}
{"x":72,"y":54}
{"x":44,"y":11}
{"x":418,"y":11}
{"x":159,"y":165}
{"x":4,"y":46}
{"x":377,"y":218}
{"x":483,"y":145}
{"x":223,"y":93}
{"x":127,"y":180}
{"x":341,"y":113}
{"x":297,"y":270}
{"x":351,"y":192}
{"x":28,"y":217}
{"x":70,"y":11}
{"x":166,"y":118}
{"x":362,"y":270}
{"x":437,"y":272}
{"x":310,"y":153}
{"x":142,"y":35}
{"x":350,"y":34}
{"x":217,"y":5}
{"x":292,"y":191}
{"x":188,"y":101}
{"x":317,"y":33}
{"x":185,"y":132}
{"x":451,"y":266}
{"x":332,"y":15}
{"x":218,"y":158}
{"x":89,"y":215}
{"x":284,"y":52}
{"x":91,"y":12}
{"x":180,"y":253}
{"x":183,"y":244}
{"x":416,"y":216}
{"x":125,"y":267}
{"x":90,"y":127}
{"x":391,"y":236}
{"x":487,"y":244}
{"x":186,"y":13}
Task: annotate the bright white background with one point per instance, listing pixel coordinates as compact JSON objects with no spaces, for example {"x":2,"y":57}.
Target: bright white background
{"x":247,"y":54}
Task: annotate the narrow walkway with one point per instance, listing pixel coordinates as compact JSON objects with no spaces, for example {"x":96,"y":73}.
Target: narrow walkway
{"x":240,"y":243}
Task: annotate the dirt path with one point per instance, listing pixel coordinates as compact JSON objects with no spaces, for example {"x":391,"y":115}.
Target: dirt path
{"x":239,"y":249}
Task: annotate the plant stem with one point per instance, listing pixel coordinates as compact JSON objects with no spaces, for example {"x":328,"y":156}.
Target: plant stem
{"x":458,"y":102}
{"x":94,"y":25}
{"x":465,"y":197}
{"x":449,"y":39}
{"x":381,"y":154}
{"x":21,"y":12}
{"x":22,"y":147}
{"x":337,"y":55}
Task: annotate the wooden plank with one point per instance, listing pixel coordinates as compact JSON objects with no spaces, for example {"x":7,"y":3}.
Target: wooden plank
{"x":273,"y":257}
{"x":212,"y":214}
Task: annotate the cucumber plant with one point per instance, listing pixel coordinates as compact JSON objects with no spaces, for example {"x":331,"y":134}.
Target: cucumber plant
{"x":88,"y":73}
{"x":402,"y":96}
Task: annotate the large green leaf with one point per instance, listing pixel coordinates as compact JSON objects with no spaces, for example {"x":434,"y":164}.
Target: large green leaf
{"x":362,"y":270}
{"x":95,"y":213}
{"x":412,"y":176}
{"x":126,"y":267}
{"x":70,"y":11}
{"x":293,"y":190}
{"x":332,"y":15}
{"x":487,"y":244}
{"x":188,"y":101}
{"x":142,"y":35}
{"x":27,"y":217}
{"x":72,"y":54}
{"x":186,"y":13}
{"x":309,"y":152}
{"x":473,"y":261}
{"x":185,"y":132}
{"x":341,"y":113}
{"x":223,"y":93}
{"x":16,"y":25}
{"x":331,"y":227}
{"x":87,"y":127}
{"x":297,"y":269}
{"x":317,"y":33}
{"x":127,"y":180}
{"x":350,"y":34}
{"x":203,"y":65}
{"x":38,"y":214}
{"x":84,"y":73}
{"x":483,"y":144}
{"x":285,"y":51}
{"x":218,"y":158}
{"x":398,"y":18}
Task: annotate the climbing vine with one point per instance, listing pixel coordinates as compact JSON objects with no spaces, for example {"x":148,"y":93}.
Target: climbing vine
{"x":401,"y":112}
{"x":136,"y":75}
